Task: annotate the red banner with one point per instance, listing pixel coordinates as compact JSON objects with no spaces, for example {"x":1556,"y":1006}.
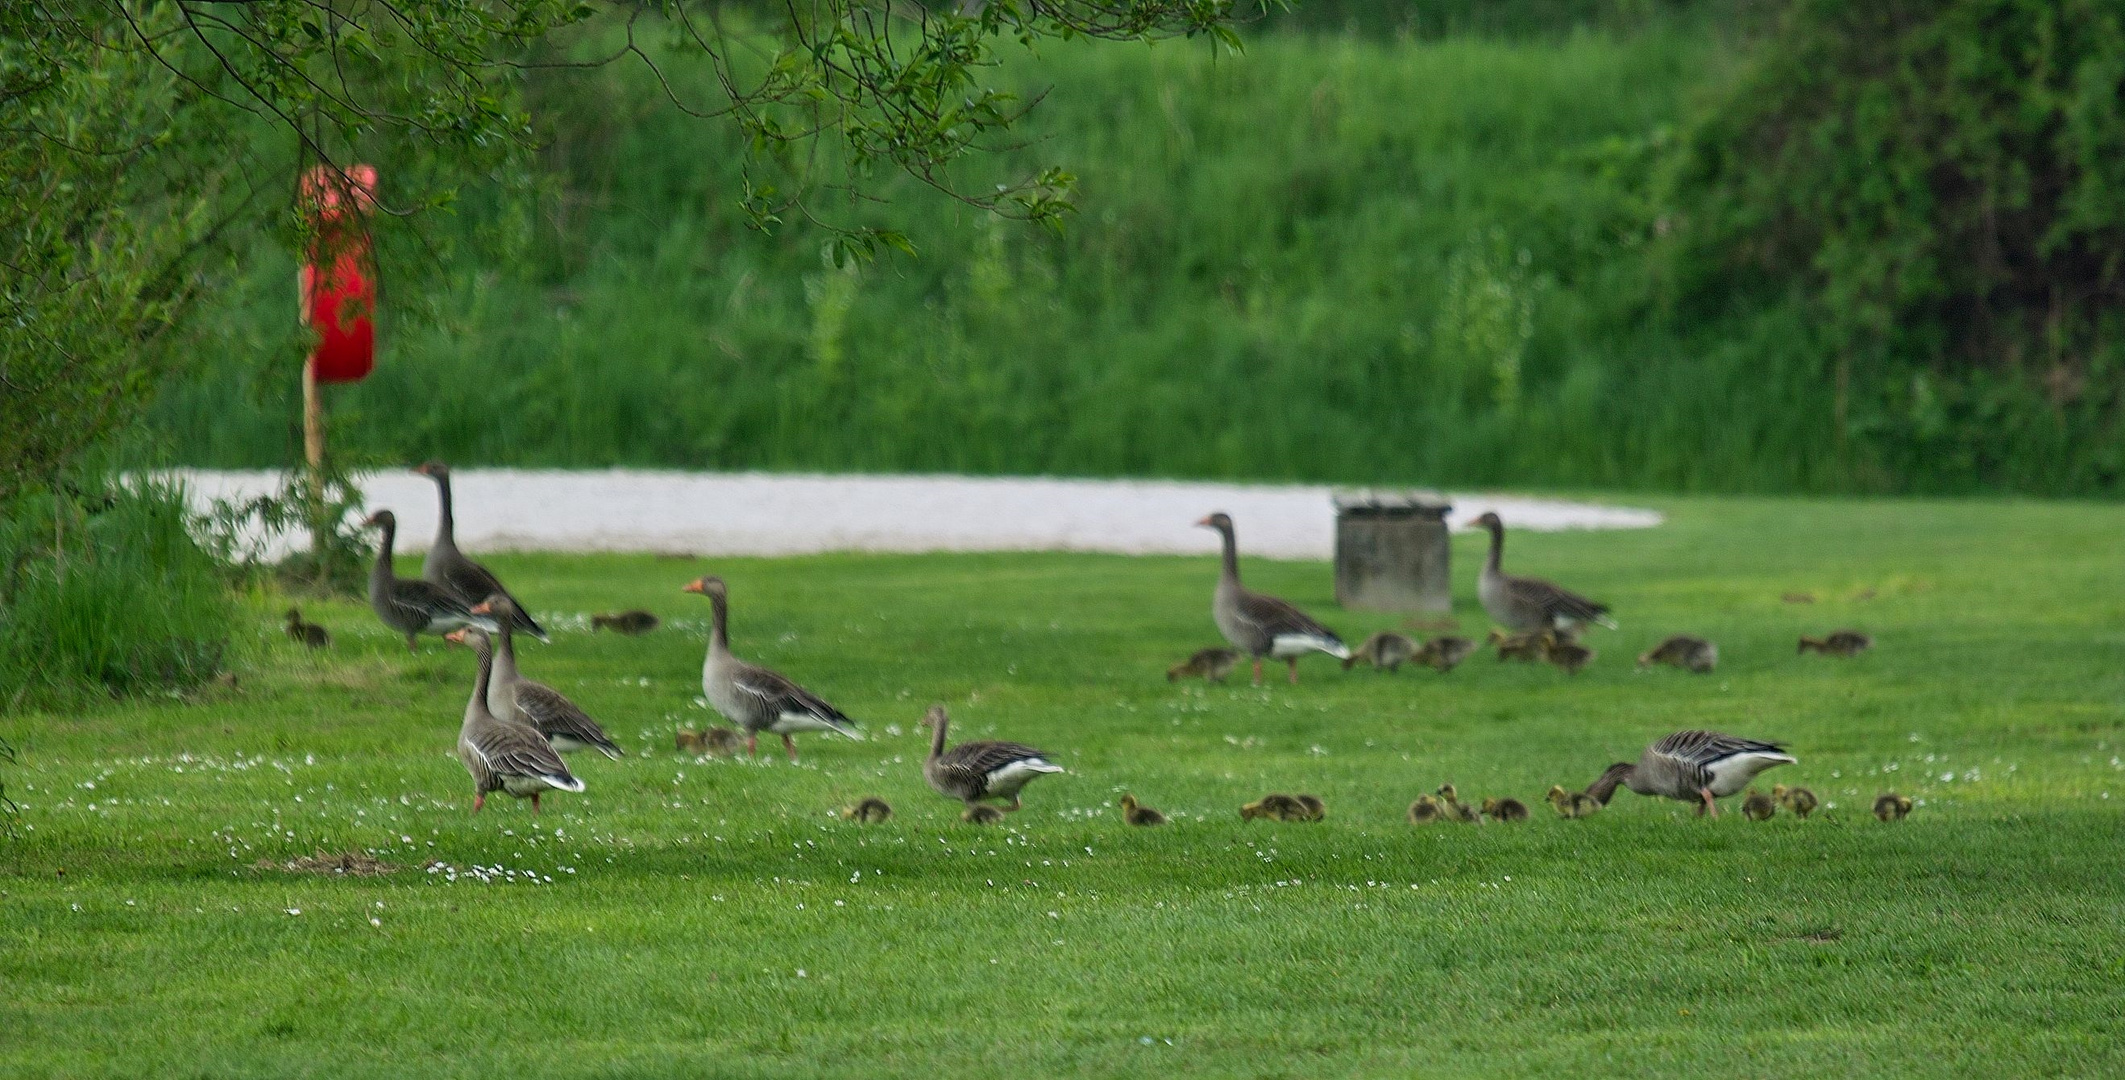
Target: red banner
{"x":339,"y":280}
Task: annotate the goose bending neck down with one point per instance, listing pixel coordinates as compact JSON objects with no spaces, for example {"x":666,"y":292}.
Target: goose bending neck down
{"x":1259,"y":624}
{"x":753,"y":697}
{"x":1694,"y":767}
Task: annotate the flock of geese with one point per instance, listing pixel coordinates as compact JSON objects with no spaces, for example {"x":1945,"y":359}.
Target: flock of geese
{"x":515,"y":730}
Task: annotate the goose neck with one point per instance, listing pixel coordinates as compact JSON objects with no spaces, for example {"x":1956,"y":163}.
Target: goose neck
{"x":382,"y":571}
{"x":718,"y":625}
{"x":1231,"y":568}
{"x":937,"y":738}
{"x":485,"y":653}
{"x":446,"y":526}
{"x":1605,"y":788}
{"x":1495,"y":562}
{"x":505,"y":654}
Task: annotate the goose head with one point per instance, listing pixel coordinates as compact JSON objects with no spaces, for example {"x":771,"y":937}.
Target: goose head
{"x":1488,"y":519}
{"x":707,"y":586}
{"x":1221,"y":521}
{"x":433,"y":470}
{"x":382,"y":519}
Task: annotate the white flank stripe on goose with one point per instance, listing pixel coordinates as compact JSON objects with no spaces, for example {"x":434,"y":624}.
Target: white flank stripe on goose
{"x":1286,"y":646}
{"x":1731,"y":774}
{"x":1029,"y":768}
{"x":790,"y":722}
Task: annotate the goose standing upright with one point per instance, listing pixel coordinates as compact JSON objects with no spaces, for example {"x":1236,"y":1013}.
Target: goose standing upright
{"x":448,"y":568}
{"x":412,"y":607}
{"x":503,"y":755}
{"x":981,"y":769}
{"x":515,"y":697}
{"x":1524,"y":604}
{"x":1261,"y":625}
{"x":753,"y":697}
{"x":1693,"y":766}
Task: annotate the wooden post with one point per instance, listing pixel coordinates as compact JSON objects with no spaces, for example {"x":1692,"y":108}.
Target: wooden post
{"x":314,"y":455}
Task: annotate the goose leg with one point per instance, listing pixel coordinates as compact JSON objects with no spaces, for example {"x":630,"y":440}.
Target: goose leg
{"x":789,"y":747}
{"x":534,"y":802}
{"x":752,"y":744}
{"x":411,"y":646}
{"x":1294,"y":662}
{"x":1711,"y":808}
{"x":1013,"y":808}
{"x":479,"y":799}
{"x":1257,"y":671}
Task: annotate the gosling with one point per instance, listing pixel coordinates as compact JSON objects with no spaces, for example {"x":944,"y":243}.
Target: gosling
{"x":1505,"y":809}
{"x":720,"y":742}
{"x":308,"y":634}
{"x":1686,"y":651}
{"x":1797,"y":799}
{"x":868,"y":809}
{"x":1311,"y":808}
{"x":1890,"y":806}
{"x":1526,"y":648}
{"x":1838,"y":643}
{"x":982,"y":814}
{"x":1275,"y":806}
{"x":1212,"y":665}
{"x":1136,"y":813}
{"x":1566,"y":655}
{"x":1445,"y":653}
{"x":1427,"y":809}
{"x":689,"y":741}
{"x":631,"y":623}
{"x":1385,"y":649}
{"x":1757,"y":806}
{"x":1573,"y":804}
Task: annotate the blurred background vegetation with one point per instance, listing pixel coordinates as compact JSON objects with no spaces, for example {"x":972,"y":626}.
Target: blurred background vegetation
{"x":1720,"y":245}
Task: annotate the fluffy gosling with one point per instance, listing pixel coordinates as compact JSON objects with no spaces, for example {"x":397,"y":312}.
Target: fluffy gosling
{"x":1275,"y":806}
{"x":1385,"y":649}
{"x":982,"y":814}
{"x":309,"y":634}
{"x":1212,"y":665}
{"x":1445,"y":653}
{"x":1573,"y":804}
{"x":1757,"y":806}
{"x":1837,"y":643}
{"x":1427,"y":809}
{"x":1526,"y":648}
{"x":720,"y":742}
{"x":1686,"y":651}
{"x":1797,"y":799}
{"x":868,"y":809}
{"x":689,"y":741}
{"x":1890,"y":806}
{"x":1311,"y":808}
{"x":1566,"y":655}
{"x":1505,"y":809}
{"x":630,"y":623}
{"x":1136,"y":813}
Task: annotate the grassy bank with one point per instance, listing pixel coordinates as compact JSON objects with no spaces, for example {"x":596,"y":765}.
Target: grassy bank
{"x":715,"y":917}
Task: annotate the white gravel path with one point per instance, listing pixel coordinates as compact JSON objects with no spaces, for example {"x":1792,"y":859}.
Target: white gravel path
{"x":789,"y":514}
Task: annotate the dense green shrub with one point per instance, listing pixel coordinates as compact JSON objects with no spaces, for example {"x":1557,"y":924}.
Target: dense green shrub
{"x":1936,"y":188}
{"x":106,"y":592}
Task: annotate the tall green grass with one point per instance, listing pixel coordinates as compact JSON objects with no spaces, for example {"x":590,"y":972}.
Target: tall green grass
{"x":106,"y":593}
{"x":1329,"y":258}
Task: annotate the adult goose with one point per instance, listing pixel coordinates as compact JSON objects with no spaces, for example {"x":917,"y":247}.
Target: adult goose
{"x":412,"y":607}
{"x":448,"y":568}
{"x":1693,"y":766}
{"x":1261,"y":625}
{"x":515,"y":697}
{"x":753,"y":697}
{"x":504,"y":755}
{"x":1524,"y":603}
{"x":981,"y":769}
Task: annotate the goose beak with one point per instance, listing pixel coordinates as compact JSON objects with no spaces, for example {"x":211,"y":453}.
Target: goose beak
{"x":455,"y":637}
{"x":694,"y":586}
{"x":1204,"y":524}
{"x":484,"y":607}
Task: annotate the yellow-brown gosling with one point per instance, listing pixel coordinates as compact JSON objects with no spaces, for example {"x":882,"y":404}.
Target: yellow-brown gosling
{"x":1569,"y":656}
{"x":1797,"y":799}
{"x":719,"y":742}
{"x":1686,"y":651}
{"x":1526,"y":648}
{"x":689,"y":741}
{"x":1757,"y":806}
{"x":1136,"y":813}
{"x":982,"y":814}
{"x":1890,"y":806}
{"x":1311,"y":808}
{"x":1573,"y":804}
{"x":1275,"y":806}
{"x":1427,"y":809}
{"x":1445,"y":653}
{"x":1385,"y":649}
{"x":1838,"y":643}
{"x":1211,"y":665}
{"x":630,"y":623}
{"x":308,"y":634}
{"x":1505,"y":809}
{"x":868,"y":809}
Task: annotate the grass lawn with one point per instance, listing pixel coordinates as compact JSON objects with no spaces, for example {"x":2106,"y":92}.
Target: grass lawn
{"x":716,"y":918}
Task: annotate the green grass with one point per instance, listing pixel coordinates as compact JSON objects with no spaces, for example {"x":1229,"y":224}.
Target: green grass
{"x":715,"y":919}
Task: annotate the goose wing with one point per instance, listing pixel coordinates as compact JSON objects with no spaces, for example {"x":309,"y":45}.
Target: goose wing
{"x":1708,"y":747}
{"x":1554,"y":600}
{"x":970,"y":764}
{"x":510,"y":749}
{"x":555,"y":716}
{"x":420,"y":603}
{"x":1276,"y":619}
{"x":476,"y":583}
{"x":779,"y":697}
{"x":1723,"y":763}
